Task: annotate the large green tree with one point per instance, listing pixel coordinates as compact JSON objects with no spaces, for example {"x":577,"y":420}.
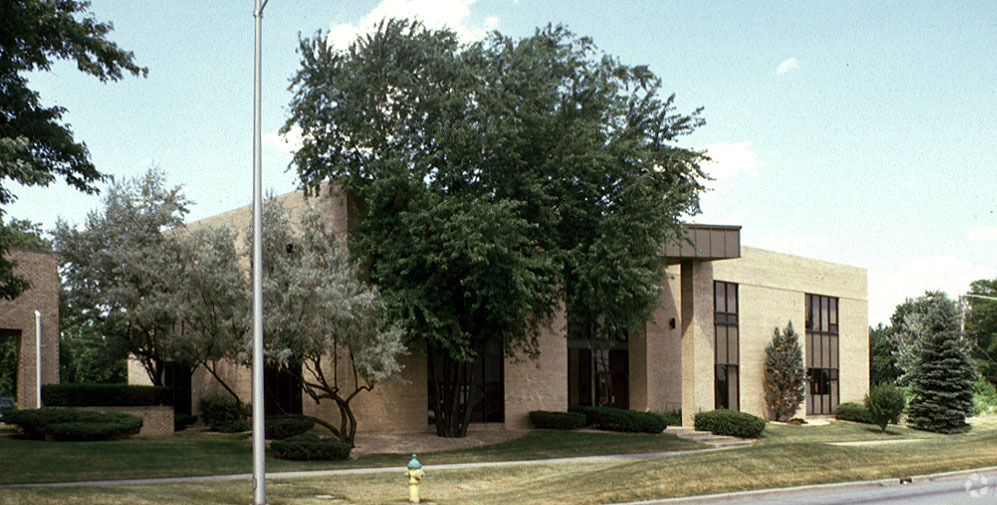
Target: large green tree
{"x":942,"y":382}
{"x":908,"y":335}
{"x":496,"y":180}
{"x":882,"y":360}
{"x":981,"y":325}
{"x":120,"y":268}
{"x":36,"y":147}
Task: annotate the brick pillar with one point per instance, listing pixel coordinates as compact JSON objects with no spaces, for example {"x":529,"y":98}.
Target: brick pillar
{"x":697,"y":339}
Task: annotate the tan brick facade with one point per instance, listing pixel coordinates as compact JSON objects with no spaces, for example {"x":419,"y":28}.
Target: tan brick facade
{"x":41,"y":269}
{"x":671,"y":364}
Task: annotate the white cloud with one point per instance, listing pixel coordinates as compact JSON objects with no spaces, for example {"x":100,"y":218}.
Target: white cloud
{"x":786,"y":66}
{"x":727,"y":163}
{"x":949,"y":273}
{"x":985,"y":234}
{"x":453,"y":14}
{"x":278,"y":150}
{"x":908,"y":183}
{"x":275,"y":144}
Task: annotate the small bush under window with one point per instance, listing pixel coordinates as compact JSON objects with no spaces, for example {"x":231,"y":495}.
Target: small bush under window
{"x":224,"y":414}
{"x":308,"y":447}
{"x":629,"y":421}
{"x":730,"y":423}
{"x":543,"y":419}
{"x":279,"y":428}
{"x":856,"y":412}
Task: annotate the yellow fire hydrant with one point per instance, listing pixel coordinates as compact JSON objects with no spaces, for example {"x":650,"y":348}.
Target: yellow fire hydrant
{"x":415,"y":475}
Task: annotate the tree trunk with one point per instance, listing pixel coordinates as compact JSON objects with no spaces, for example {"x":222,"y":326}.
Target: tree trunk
{"x":454,"y":390}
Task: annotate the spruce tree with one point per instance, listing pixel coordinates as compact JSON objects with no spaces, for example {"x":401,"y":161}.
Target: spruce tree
{"x":785,"y":385}
{"x":943,"y":386}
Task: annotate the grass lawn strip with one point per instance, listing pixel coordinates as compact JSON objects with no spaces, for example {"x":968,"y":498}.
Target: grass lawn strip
{"x":189,"y":455}
{"x":606,"y":481}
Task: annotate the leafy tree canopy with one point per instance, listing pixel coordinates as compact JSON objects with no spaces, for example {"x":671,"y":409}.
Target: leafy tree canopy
{"x":323,"y":323}
{"x":882,"y":360}
{"x":496,"y":180}
{"x":119,"y":268}
{"x":35,"y":145}
{"x":981,"y":325}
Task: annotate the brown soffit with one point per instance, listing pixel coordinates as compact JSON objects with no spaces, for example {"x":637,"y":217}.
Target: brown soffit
{"x":709,"y":242}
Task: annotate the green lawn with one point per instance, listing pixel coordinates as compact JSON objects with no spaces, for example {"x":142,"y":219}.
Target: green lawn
{"x":837,"y":431}
{"x":786,"y":456}
{"x":768,"y":464}
{"x":185,"y":455}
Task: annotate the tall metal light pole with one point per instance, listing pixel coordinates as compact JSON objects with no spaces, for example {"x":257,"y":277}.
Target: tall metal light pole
{"x":259,"y":454}
{"x":38,"y":360}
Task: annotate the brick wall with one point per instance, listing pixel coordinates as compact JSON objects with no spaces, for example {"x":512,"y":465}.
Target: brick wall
{"x":41,"y":268}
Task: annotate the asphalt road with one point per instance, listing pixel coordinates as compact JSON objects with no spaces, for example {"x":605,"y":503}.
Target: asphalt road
{"x":968,"y":488}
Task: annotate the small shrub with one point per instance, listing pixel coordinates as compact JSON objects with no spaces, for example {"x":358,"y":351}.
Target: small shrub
{"x":884,"y":403}
{"x":308,"y":447}
{"x":181,"y":421}
{"x":558,"y":420}
{"x":850,"y":411}
{"x":730,"y":423}
{"x":673,"y":418}
{"x":65,"y":424}
{"x":612,"y":419}
{"x":224,"y":414}
{"x":104,"y":395}
{"x":279,"y":428}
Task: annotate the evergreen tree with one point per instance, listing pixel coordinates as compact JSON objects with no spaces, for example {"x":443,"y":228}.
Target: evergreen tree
{"x":943,"y":383}
{"x":785,"y":376}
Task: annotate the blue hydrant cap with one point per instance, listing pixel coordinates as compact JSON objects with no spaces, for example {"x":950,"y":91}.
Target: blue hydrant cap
{"x":414,"y":464}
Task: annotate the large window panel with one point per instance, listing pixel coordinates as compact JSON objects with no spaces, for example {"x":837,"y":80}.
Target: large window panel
{"x":822,"y":353}
{"x":726,"y":346}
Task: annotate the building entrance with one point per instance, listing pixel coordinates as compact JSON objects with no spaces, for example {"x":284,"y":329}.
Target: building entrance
{"x":598,"y":378}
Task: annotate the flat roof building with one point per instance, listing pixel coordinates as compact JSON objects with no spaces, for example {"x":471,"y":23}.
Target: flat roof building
{"x":704,"y":348}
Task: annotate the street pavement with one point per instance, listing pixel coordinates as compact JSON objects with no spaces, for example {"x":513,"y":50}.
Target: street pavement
{"x":970,"y":487}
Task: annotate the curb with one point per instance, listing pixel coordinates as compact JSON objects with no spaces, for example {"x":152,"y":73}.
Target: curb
{"x":813,"y":487}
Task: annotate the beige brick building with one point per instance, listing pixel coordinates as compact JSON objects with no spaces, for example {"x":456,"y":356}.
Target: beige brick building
{"x":704,"y":349}
{"x":17,"y":320}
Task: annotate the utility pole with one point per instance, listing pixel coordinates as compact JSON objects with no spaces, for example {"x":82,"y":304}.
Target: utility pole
{"x":259,"y":449}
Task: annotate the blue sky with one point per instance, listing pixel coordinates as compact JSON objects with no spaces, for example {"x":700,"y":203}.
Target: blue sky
{"x":853,"y":133}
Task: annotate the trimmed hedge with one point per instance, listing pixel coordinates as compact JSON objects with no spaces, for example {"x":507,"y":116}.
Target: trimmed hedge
{"x":308,"y":447}
{"x":63,"y":424}
{"x":104,"y":395}
{"x":544,"y":419}
{"x":730,"y":423}
{"x":279,"y":428}
{"x":629,"y":421}
{"x":224,"y":414}
{"x":673,"y":418}
{"x":850,"y":411}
